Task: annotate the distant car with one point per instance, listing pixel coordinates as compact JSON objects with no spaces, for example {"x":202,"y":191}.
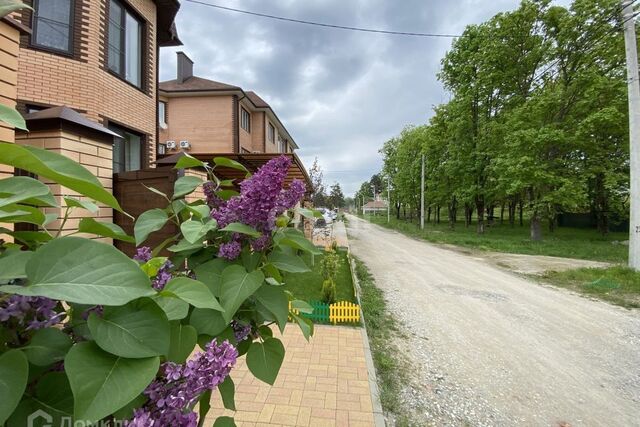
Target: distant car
{"x":326,"y":215}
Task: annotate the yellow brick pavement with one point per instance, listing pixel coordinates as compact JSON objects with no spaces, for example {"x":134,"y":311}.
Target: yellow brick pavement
{"x":321,"y":383}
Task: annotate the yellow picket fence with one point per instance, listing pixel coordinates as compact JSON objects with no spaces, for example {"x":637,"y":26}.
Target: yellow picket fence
{"x":344,"y":312}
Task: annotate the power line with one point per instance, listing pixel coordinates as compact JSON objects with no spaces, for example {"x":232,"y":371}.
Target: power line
{"x":321,"y":24}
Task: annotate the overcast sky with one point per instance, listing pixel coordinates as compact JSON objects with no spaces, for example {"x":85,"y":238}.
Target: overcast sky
{"x":341,"y":94}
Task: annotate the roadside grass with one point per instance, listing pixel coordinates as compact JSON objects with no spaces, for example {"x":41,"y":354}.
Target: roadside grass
{"x":308,"y":286}
{"x":564,"y":242}
{"x":618,"y":285}
{"x":392,"y":370}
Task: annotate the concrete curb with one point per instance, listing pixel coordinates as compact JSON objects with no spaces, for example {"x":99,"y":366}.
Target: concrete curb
{"x":378,"y":414}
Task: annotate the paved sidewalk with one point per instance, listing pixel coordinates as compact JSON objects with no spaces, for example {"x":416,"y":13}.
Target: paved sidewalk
{"x":324,"y":382}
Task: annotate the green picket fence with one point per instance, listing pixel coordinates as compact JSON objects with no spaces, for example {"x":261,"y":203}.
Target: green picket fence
{"x":320,"y":312}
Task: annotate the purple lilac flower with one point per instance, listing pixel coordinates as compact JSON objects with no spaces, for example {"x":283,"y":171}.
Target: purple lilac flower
{"x":261,"y":243}
{"x":163,"y":276}
{"x":240,"y":330}
{"x":210,"y":195}
{"x":181,"y":385}
{"x":230,"y":250}
{"x":143,"y":254}
{"x":32,"y":312}
{"x":261,"y":198}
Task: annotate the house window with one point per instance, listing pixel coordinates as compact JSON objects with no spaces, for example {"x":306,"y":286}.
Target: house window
{"x":282,"y":145}
{"x":162,"y":114}
{"x":124,"y":44}
{"x":245,"y":120}
{"x":53,"y":24}
{"x":271,"y":133}
{"x":127,"y":150}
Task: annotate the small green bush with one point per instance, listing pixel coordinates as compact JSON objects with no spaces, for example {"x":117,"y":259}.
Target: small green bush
{"x":329,"y":291}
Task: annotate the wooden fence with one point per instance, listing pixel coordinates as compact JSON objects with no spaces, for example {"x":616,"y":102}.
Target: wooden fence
{"x":340,"y":312}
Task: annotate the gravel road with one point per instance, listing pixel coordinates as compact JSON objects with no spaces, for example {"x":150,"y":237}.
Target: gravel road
{"x":489,"y":348}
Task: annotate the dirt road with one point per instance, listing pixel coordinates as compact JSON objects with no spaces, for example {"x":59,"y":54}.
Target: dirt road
{"x":488,"y":347}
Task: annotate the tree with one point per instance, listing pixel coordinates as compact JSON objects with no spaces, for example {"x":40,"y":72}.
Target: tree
{"x":336,"y":197}
{"x":319,"y":196}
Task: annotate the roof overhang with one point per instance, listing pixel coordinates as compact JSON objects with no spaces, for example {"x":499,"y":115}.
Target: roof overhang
{"x":252,"y":161}
{"x":167,"y":33}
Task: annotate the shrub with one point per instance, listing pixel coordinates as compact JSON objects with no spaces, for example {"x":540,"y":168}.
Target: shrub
{"x":89,"y":335}
{"x":329,"y":291}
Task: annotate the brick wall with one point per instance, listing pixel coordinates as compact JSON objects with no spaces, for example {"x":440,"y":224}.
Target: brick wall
{"x":205,"y":121}
{"x":84,"y":84}
{"x":93,"y":154}
{"x":245,"y":137}
{"x":258,"y":131}
{"x":9,"y":37}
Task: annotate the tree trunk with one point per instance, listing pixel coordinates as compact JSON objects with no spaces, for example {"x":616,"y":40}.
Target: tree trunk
{"x":467,"y":214}
{"x":397,"y":210}
{"x":428,"y":215}
{"x":502,"y":213}
{"x":480,"y":210}
{"x":520,"y":209}
{"x":553,"y":221}
{"x":512,"y":211}
{"x":536,"y":227}
{"x":452,"y":212}
{"x":404,"y":211}
{"x":438,"y":214}
{"x":601,"y":205}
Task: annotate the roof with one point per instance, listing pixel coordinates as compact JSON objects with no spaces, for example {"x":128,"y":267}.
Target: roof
{"x":252,"y":161}
{"x":69,"y":115}
{"x":375,"y":204}
{"x":195,"y":84}
{"x":256,"y":100}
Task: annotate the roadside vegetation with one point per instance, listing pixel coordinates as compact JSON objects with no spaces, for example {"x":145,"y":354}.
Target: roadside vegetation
{"x":618,"y":285}
{"x":308,"y":286}
{"x":392,"y":369}
{"x":563,"y":242}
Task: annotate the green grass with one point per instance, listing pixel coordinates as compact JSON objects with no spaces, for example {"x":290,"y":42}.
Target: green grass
{"x":564,"y":242}
{"x":308,"y":286}
{"x":392,"y":369}
{"x":618,"y":285}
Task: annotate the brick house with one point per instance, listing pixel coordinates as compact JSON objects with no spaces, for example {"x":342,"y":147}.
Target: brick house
{"x":86,"y":78}
{"x":214,"y":117}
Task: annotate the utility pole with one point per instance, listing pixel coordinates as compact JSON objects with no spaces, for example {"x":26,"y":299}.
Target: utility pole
{"x":388,"y":200}
{"x":422,"y":196}
{"x":634,"y":132}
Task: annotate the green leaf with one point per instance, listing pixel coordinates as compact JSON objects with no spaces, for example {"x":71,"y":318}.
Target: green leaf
{"x":27,"y":190}
{"x":156,"y":191}
{"x":224,"y":422}
{"x":204,"y":404}
{"x":228,"y":393}
{"x":13,"y":264}
{"x":194,"y":231}
{"x":228,"y":163}
{"x":289,"y":263}
{"x":183,"y":340}
{"x":14,"y":372}
{"x":309,"y":213}
{"x":126,"y":412}
{"x":104,"y":229}
{"x":210,"y":273}
{"x":226,"y":194}
{"x":174,"y":308}
{"x":84,"y":271}
{"x":306,"y":325}
{"x":23,"y":213}
{"x":47,"y":346}
{"x":237,"y":286}
{"x":57,"y":168}
{"x":52,"y":395}
{"x":184,"y":246}
{"x":187,"y":161}
{"x":154,"y":265}
{"x":236,"y":227}
{"x":295,"y":239}
{"x":150,"y":221}
{"x":264,"y":359}
{"x":103,"y":383}
{"x":301,"y":306}
{"x":136,"y":330}
{"x":271,"y":271}
{"x":273,"y":282}
{"x":250,"y":260}
{"x":82,"y":204}
{"x":185,"y":185}
{"x":8,"y":114}
{"x":276,"y":301}
{"x":199,"y":211}
{"x":208,"y":322}
{"x":192,"y":291}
